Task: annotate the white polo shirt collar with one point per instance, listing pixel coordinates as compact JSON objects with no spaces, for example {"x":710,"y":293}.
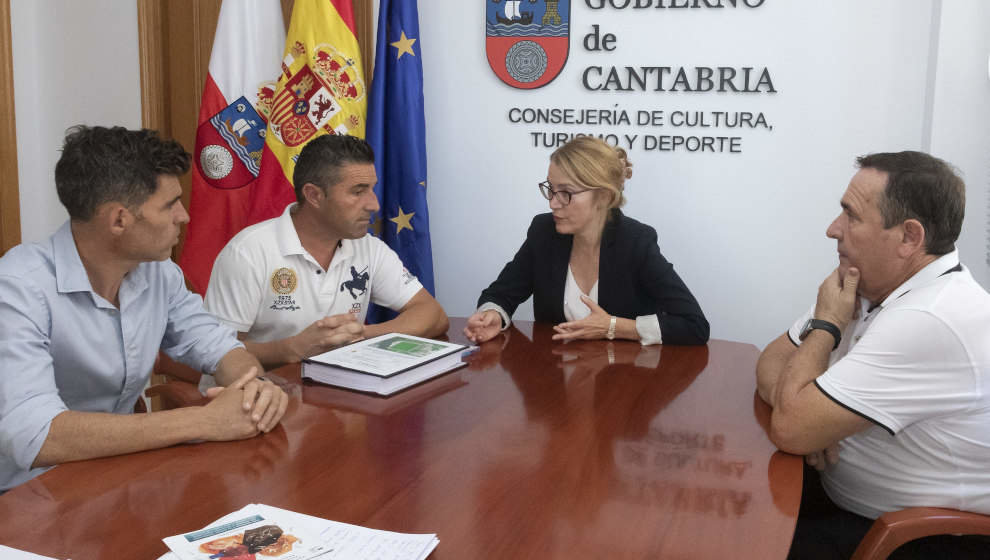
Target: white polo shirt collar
{"x":285,"y":233}
{"x":926,"y":275}
{"x":289,"y":244}
{"x":343,"y":254}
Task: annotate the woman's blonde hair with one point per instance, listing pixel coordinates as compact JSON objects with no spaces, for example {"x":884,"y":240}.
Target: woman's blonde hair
{"x":594,"y":164}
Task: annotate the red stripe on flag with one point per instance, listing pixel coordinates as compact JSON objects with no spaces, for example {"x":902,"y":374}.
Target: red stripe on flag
{"x":213,"y":101}
{"x":346,"y":10}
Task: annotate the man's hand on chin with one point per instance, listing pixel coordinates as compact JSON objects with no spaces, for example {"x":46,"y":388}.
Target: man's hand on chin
{"x":837,"y":298}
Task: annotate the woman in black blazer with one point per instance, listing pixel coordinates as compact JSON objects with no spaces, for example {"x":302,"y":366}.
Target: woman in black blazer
{"x":591,"y":270}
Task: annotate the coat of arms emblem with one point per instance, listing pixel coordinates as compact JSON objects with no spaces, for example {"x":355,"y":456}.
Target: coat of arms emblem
{"x":229,"y":145}
{"x":527,"y":40}
{"x":312,"y":96}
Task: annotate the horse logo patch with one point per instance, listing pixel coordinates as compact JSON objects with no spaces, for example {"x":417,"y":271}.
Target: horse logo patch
{"x":527,"y":41}
{"x":358,"y":282}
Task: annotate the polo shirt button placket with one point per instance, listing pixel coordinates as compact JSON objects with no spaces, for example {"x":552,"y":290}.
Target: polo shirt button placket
{"x":858,"y":333}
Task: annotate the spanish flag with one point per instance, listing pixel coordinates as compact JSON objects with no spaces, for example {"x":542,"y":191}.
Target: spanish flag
{"x":321,"y":89}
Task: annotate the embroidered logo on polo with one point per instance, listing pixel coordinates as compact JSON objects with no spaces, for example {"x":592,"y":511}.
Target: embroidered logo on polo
{"x":358,"y":283}
{"x":284,"y":282}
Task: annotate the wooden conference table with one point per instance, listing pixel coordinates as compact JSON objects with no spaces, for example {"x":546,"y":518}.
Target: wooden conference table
{"x":535,"y":450}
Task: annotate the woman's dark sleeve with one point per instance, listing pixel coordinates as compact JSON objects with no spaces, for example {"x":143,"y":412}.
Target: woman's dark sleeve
{"x":680,"y":316}
{"x":514,"y":284}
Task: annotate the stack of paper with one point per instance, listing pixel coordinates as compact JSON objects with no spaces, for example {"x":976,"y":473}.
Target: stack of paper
{"x":385,"y":364}
{"x":8,"y":553}
{"x":258,"y":531}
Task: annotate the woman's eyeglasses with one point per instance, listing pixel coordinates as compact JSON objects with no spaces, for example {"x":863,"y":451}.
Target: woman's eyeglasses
{"x":563,"y":196}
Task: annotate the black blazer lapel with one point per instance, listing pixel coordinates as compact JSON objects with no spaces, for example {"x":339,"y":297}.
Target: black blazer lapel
{"x":607,"y":264}
{"x":561,"y":251}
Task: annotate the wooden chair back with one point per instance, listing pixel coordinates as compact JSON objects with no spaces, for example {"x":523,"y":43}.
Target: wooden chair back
{"x":181,"y":387}
{"x":891,"y":530}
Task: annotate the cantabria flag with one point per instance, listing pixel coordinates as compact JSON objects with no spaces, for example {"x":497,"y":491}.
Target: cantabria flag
{"x":230,"y":140}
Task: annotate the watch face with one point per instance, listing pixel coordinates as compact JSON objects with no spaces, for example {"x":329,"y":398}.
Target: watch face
{"x":805,"y":330}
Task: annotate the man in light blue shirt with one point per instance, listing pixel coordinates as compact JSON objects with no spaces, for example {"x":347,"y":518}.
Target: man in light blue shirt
{"x":84,"y":313}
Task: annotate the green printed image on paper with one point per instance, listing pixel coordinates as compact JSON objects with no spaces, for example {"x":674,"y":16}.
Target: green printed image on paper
{"x":407,"y":346}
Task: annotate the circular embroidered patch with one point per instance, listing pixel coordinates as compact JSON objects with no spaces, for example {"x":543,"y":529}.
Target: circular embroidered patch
{"x":284,"y":281}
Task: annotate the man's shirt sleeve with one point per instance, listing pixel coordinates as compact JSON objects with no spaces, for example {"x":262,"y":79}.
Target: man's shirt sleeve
{"x":794,"y":333}
{"x":29,"y":397}
{"x":392,"y":285}
{"x":193,"y":336}
{"x":234,"y":293}
{"x":908,"y":364}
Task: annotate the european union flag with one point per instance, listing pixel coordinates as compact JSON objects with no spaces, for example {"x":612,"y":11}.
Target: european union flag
{"x":397,"y":133}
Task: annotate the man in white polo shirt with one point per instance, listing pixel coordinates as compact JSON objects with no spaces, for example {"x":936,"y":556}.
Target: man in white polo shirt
{"x":890,"y":370}
{"x":300,"y":284}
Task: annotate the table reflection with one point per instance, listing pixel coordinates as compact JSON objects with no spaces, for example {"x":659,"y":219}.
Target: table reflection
{"x":536,"y":449}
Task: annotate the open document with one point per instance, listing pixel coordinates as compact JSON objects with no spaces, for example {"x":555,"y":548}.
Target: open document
{"x":312,"y":537}
{"x":250,"y":534}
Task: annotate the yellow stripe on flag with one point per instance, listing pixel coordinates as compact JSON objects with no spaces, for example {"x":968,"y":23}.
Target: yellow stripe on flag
{"x":321,"y":89}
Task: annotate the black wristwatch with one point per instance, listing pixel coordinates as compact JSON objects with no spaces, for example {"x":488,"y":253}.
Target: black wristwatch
{"x":813,"y":324}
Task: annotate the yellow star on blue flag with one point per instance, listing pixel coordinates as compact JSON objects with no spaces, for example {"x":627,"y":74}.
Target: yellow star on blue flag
{"x":402,"y":221}
{"x":404,"y":44}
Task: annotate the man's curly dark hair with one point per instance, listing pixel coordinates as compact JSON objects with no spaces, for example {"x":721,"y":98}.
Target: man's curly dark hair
{"x":100,"y":165}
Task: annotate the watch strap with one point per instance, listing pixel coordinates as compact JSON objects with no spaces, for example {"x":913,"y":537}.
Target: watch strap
{"x":825,"y":326}
{"x":611,"y":329}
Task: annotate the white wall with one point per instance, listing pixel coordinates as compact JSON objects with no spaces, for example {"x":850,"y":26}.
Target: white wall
{"x":961,"y":118}
{"x":74,"y":62}
{"x":745,"y":231}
